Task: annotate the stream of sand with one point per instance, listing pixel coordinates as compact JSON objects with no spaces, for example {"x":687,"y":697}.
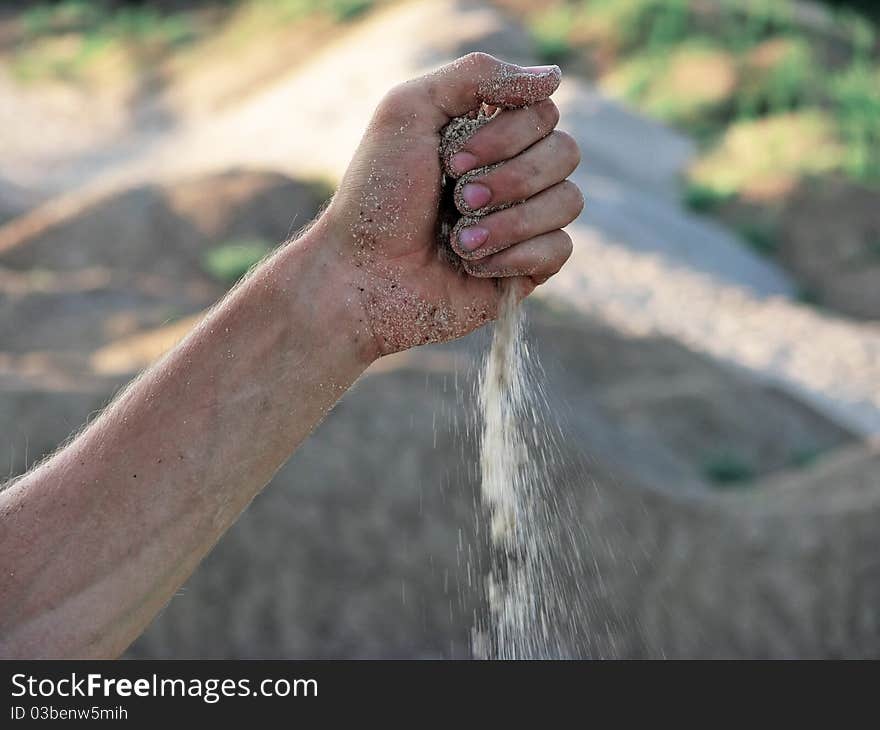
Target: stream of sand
{"x":513,"y":481}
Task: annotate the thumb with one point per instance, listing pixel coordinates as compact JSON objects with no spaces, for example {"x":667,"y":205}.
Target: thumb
{"x":464,"y":84}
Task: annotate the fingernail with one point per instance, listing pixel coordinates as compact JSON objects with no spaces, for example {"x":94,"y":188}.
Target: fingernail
{"x":461,"y":162}
{"x":539,"y":70}
{"x":476,"y":195}
{"x":472,"y":237}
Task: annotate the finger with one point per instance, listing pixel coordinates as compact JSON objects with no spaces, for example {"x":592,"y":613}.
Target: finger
{"x":545,"y":163}
{"x":538,"y":258}
{"x":475,"y":238}
{"x":505,"y":136}
{"x":461,"y":86}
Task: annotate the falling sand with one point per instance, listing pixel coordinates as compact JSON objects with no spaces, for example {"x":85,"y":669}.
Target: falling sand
{"x":513,"y":451}
{"x":520,"y":586}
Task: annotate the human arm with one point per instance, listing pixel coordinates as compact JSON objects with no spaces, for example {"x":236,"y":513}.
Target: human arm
{"x":98,"y":538}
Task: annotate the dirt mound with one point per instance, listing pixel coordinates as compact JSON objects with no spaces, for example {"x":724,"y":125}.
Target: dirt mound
{"x":135,"y":260}
{"x":132,"y":353}
{"x":13,"y":201}
{"x":162,"y":229}
{"x":376,"y":555}
{"x":705,"y":418}
{"x":830,"y":239}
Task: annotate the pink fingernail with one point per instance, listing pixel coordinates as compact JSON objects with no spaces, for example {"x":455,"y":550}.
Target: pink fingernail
{"x":476,"y":195}
{"x":461,"y":162}
{"x":472,"y":237}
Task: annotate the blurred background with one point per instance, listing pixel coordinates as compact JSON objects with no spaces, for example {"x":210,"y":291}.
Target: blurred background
{"x":711,"y":351}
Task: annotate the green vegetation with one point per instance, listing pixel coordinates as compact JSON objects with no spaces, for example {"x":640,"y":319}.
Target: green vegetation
{"x":288,"y":10}
{"x":550,"y":33}
{"x":717,"y":67}
{"x":71,"y":39}
{"x":809,"y":295}
{"x":856,"y":94}
{"x":802,"y":458}
{"x":233,"y":259}
{"x":726,"y":469}
{"x":755,"y":158}
{"x":63,"y":40}
{"x":690,"y":85}
{"x":703,"y":198}
{"x":99,"y":17}
{"x":760,"y":236}
{"x":348,"y":9}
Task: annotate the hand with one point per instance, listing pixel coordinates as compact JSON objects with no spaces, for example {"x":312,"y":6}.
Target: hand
{"x":385,"y":215}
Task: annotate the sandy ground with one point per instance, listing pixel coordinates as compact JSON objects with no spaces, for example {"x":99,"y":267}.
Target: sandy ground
{"x":376,"y":555}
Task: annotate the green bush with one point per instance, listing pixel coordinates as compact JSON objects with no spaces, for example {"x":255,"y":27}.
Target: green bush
{"x":643,"y":24}
{"x":751,"y":21}
{"x":61,"y":40}
{"x":702,"y":198}
{"x":63,"y":17}
{"x":809,"y":296}
{"x":348,"y":9}
{"x":668,"y":23}
{"x":233,"y":259}
{"x":99,"y":18}
{"x":760,"y":236}
{"x":727,"y":469}
{"x":790,"y":82}
{"x":804,"y":457}
{"x":292,"y":10}
{"x":856,"y":96}
{"x":550,"y":30}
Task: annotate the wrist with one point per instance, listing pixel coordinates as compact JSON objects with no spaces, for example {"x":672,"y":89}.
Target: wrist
{"x":317,"y":270}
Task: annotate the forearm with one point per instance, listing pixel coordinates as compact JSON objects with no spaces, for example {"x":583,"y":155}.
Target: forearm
{"x":97,"y":539}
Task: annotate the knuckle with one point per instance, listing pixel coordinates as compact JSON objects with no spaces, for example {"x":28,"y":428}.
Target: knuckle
{"x":483,"y":144}
{"x":568,"y":147}
{"x":566,"y":247}
{"x":518,"y":223}
{"x":574,"y":197}
{"x":516,"y":181}
{"x":548,"y":115}
{"x":479,"y":59}
{"x":396,"y":103}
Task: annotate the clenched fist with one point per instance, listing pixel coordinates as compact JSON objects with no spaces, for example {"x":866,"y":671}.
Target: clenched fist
{"x":509,"y":170}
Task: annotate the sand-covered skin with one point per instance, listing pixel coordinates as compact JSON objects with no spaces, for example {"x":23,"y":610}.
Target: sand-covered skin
{"x":513,"y":89}
{"x":455,"y":135}
{"x":398,"y":317}
{"x":397,"y":207}
{"x":401,"y":319}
